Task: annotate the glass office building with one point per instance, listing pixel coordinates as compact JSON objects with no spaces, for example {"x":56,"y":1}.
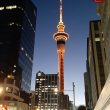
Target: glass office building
{"x":17,"y":37}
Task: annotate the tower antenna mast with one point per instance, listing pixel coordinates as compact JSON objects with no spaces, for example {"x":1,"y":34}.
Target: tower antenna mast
{"x":60,"y":11}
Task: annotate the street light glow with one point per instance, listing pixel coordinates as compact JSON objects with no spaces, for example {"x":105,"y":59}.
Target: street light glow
{"x":1,"y":90}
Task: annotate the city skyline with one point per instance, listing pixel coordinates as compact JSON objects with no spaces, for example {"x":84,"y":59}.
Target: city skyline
{"x":76,"y":17}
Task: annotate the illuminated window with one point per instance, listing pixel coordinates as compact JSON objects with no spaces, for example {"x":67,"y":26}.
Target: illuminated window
{"x":14,"y":71}
{"x":22,"y":28}
{"x":15,"y":66}
{"x":8,"y":89}
{"x":26,"y":54}
{"x":1,"y":90}
{"x":11,"y":24}
{"x":1,"y":8}
{"x":11,"y":7}
{"x":97,"y":39}
{"x":39,"y":74}
{"x":22,"y":48}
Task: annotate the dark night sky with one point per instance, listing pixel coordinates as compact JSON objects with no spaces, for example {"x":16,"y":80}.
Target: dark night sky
{"x":76,"y":17}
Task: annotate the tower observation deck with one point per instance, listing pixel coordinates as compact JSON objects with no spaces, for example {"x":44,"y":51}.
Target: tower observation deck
{"x":61,"y":37}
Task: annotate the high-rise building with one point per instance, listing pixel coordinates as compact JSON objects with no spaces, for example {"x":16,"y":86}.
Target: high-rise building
{"x":88,"y":92}
{"x":95,"y":61}
{"x":46,"y":90}
{"x":61,"y":37}
{"x":17,"y":36}
{"x":91,"y":73}
{"x":103,"y":10}
{"x":88,"y":96}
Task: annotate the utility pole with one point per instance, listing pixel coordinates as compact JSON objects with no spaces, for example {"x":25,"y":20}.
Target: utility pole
{"x":73,"y":94}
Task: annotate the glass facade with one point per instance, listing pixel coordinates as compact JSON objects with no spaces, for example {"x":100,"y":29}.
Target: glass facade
{"x":17,"y":36}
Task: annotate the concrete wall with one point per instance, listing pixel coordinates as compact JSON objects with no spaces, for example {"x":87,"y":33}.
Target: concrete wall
{"x":103,"y":102}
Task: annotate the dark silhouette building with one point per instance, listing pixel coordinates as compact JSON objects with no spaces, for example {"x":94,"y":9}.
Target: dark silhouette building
{"x":63,"y":102}
{"x":95,"y":75}
{"x":88,"y":96}
{"x":17,"y":36}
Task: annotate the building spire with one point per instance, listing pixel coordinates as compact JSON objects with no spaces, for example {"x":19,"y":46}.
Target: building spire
{"x":61,"y":26}
{"x":60,"y":11}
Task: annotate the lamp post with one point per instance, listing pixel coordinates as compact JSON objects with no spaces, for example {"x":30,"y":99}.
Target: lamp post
{"x":74,"y":93}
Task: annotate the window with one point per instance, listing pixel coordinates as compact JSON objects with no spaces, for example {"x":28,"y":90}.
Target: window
{"x":11,"y":7}
{"x":1,"y":8}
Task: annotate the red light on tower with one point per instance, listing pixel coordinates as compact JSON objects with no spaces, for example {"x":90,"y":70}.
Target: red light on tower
{"x":99,"y":1}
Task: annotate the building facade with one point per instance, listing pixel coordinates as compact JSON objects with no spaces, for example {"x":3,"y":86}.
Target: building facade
{"x":103,"y":10}
{"x":10,"y":95}
{"x":87,"y":82}
{"x":88,"y":96}
{"x":17,"y":36}
{"x":9,"y":91}
{"x":63,"y":102}
{"x":95,"y":60}
{"x":46,"y":90}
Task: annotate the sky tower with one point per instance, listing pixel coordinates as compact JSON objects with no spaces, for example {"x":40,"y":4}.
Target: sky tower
{"x":61,"y":37}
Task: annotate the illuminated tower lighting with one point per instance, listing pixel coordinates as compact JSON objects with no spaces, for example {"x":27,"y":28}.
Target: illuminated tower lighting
{"x":61,"y":37}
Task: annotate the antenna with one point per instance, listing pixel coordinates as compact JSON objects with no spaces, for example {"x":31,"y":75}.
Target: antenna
{"x":60,"y":11}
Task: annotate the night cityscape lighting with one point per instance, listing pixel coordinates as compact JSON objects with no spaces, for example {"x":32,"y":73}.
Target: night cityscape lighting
{"x":33,"y":76}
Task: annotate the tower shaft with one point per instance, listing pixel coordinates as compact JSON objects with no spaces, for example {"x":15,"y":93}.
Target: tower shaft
{"x":61,"y":51}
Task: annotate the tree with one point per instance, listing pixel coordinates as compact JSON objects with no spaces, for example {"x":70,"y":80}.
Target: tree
{"x":81,"y":107}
